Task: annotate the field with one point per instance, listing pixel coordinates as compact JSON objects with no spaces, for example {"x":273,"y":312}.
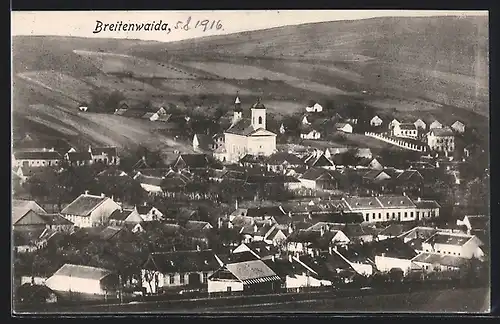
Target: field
{"x":284,"y":107}
{"x":240,"y":71}
{"x":131,"y":88}
{"x":404,"y":105}
{"x":59,"y":82}
{"x":197,"y":87}
{"x":139,"y":67}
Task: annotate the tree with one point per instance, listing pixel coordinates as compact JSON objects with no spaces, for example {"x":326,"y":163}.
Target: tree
{"x":477,"y":193}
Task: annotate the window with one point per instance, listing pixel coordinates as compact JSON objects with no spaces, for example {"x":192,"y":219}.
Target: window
{"x":399,"y":215}
{"x":260,"y":120}
{"x":393,"y":215}
{"x":411,"y":214}
{"x":418,"y":214}
{"x":229,"y":289}
{"x":379,"y":216}
{"x":205,"y":277}
{"x":373,"y":216}
{"x":387,"y":215}
{"x":406,"y":214}
{"x":171,"y":279}
{"x":182,"y":278}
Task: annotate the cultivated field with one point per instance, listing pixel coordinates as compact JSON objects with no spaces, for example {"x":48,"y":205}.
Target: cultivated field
{"x":284,"y":107}
{"x":360,"y":140}
{"x":197,"y":87}
{"x":242,"y":72}
{"x":129,"y":87}
{"x":404,"y":104}
{"x":59,"y":82}
{"x":139,"y":67}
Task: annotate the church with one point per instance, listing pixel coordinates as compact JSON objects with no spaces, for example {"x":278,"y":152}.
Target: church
{"x":248,"y":135}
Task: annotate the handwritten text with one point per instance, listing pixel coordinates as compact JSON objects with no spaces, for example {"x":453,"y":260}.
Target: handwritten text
{"x":161,"y":26}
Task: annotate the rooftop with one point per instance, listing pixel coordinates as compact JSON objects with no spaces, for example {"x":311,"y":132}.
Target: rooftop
{"x":445,"y":260}
{"x":81,"y":271}
{"x":182,"y":261}
{"x":37,"y":155}
{"x":449,"y":239}
{"x":83,"y":205}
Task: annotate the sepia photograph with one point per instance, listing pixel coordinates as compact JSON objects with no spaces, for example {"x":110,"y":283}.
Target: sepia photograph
{"x":250,"y":162}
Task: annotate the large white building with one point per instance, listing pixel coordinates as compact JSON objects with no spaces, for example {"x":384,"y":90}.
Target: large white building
{"x":248,"y":135}
{"x":89,"y":210}
{"x":441,"y":140}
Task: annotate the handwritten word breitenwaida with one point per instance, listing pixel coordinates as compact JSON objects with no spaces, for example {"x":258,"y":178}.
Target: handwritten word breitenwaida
{"x":202,"y":24}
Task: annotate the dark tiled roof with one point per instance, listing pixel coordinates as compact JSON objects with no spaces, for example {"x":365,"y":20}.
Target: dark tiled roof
{"x":425,"y":204}
{"x":153,"y":181}
{"x":196,"y":225}
{"x":407,"y":126}
{"x":284,"y":268}
{"x":37,"y":155}
{"x":265,"y":211}
{"x":194,"y":160}
{"x":396,"y":229}
{"x":445,"y":131}
{"x":326,"y":265}
{"x":242,"y":127}
{"x":79,"y":156}
{"x":120,"y":215}
{"x":392,"y":247}
{"x":182,"y":261}
{"x":109,"y":151}
{"x":204,"y":141}
{"x":317,"y":173}
{"x":55,"y":219}
{"x":479,"y":222}
{"x":408,"y":175}
{"x":284,"y":157}
{"x":83,"y":205}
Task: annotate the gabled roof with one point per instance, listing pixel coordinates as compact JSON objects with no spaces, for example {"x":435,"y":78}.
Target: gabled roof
{"x":392,"y":248}
{"x":82,"y":272}
{"x":319,"y":161}
{"x":326,"y":265}
{"x":37,"y":155}
{"x":196,"y":225}
{"x":408,"y":175}
{"x":479,"y":222}
{"x":318,"y":173}
{"x":407,"y":126}
{"x":120,"y":215}
{"x":152,"y":181}
{"x":21,"y":207}
{"x":182,"y":261}
{"x":445,"y":131}
{"x":426,"y":204}
{"x":284,"y":268}
{"x":341,"y":125}
{"x":193,"y":160}
{"x":204,"y":141}
{"x":79,"y":156}
{"x":265,"y":211}
{"x":445,"y":260}
{"x":55,"y":219}
{"x":109,"y":232}
{"x":279,"y":158}
{"x":109,"y":151}
{"x":251,"y":272}
{"x":83,"y":205}
{"x":394,"y":230}
{"x":449,"y":239}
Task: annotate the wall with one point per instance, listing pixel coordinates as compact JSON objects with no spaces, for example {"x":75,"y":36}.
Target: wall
{"x":362,"y":269}
{"x":36,"y":280}
{"x":35,"y":163}
{"x":311,"y":184}
{"x":102,"y":212}
{"x":261,"y":145}
{"x":386,"y":214}
{"x":221,"y":286}
{"x":151,"y":188}
{"x":400,"y":143}
{"x":303,"y":280}
{"x":441,"y":143}
{"x":64,"y":283}
{"x":235,"y":147}
{"x":385,"y":264}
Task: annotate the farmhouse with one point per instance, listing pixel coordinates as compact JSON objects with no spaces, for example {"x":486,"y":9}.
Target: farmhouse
{"x":83,"y":279}
{"x":152,"y":185}
{"x":283,"y":161}
{"x":435,"y":262}
{"x":106,"y":155}
{"x":344,"y":127}
{"x":319,"y":178}
{"x":308,"y":132}
{"x":36,"y":158}
{"x":314,"y":108}
{"x":89,"y":210}
{"x":456,"y":244}
{"x":202,"y":143}
{"x":387,"y":208}
{"x":248,"y":277}
{"x":420,"y":124}
{"x":163,"y":270}
{"x":458,"y":127}
{"x":435,"y":124}
{"x":441,"y":140}
{"x":376,"y":121}
{"x":393,"y":123}
{"x":249,"y":135}
{"x":21,"y":207}
{"x":79,"y":158}
{"x":405,"y":130}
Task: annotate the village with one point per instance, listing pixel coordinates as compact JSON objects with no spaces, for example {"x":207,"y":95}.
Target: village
{"x":252,"y":211}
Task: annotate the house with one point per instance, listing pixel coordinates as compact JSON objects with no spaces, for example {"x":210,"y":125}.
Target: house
{"x":309,"y":133}
{"x":405,"y":130}
{"x":386,"y":208}
{"x":280,"y":162}
{"x":71,"y":278}
{"x":36,"y":220}
{"x":192,"y":162}
{"x":106,"y":155}
{"x":344,"y":127}
{"x":164,"y":270}
{"x":193,"y":225}
{"x":458,"y":127}
{"x":393,"y":124}
{"x":395,"y":230}
{"x":146,"y":213}
{"x":435,"y":262}
{"x":426,"y":209}
{"x":78,"y":158}
{"x":218,"y":141}
{"x":456,"y":244}
{"x":391,"y":254}
{"x":36,"y":158}
{"x":202,"y":143}
{"x":370,"y":163}
{"x":435,"y":125}
{"x":314,"y":108}
{"x":376,"y":177}
{"x":321,"y":179}
{"x":318,"y":160}
{"x":441,"y":140}
{"x":152,"y":185}
{"x":89,"y":210}
{"x":124,"y":216}
{"x":310,"y":242}
{"x":255,"y":232}
{"x":259,"y":249}
{"x":276,"y":236}
{"x":329,"y":267}
{"x":376,"y":121}
{"x":364,"y":153}
{"x":83,"y":107}
{"x":296,"y":275}
{"x":247,"y":277}
{"x":305,"y":121}
{"x":21,"y":207}
{"x":361,"y":233}
{"x":475,"y":223}
{"x":249,"y":135}
{"x":264,"y":213}
{"x":420,"y":124}
{"x":357,"y":258}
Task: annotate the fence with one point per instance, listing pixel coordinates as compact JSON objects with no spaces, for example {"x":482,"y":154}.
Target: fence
{"x":398,"y":142}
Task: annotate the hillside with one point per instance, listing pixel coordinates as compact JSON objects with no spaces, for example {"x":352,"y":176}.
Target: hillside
{"x":429,"y":68}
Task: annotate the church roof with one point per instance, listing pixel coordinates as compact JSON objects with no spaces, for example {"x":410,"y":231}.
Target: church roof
{"x":258,"y":105}
{"x":244,"y":128}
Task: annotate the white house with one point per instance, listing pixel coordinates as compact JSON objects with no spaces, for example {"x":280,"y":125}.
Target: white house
{"x":475,"y":222}
{"x":83,"y":279}
{"x":83,"y":107}
{"x":441,"y":139}
{"x":304,"y":120}
{"x":310,"y":134}
{"x":315,"y":108}
{"x":344,"y":127}
{"x":458,"y":127}
{"x":40,"y":158}
{"x":89,"y":210}
{"x":147,"y":213}
{"x":376,"y":121}
{"x":405,"y":130}
{"x":177,"y":269}
{"x":393,"y":123}
{"x":150,"y":184}
{"x":420,"y":124}
{"x":435,"y":124}
{"x":456,"y":244}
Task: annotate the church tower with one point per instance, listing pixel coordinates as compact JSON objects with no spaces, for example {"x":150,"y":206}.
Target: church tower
{"x":258,"y":115}
{"x":237,"y":110}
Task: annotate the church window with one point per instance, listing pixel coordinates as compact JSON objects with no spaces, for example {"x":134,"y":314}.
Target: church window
{"x":260,"y":120}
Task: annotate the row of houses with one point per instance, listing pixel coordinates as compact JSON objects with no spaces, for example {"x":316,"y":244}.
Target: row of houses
{"x":50,"y":157}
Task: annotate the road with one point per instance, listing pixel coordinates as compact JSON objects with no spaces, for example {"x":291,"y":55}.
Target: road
{"x":443,"y":300}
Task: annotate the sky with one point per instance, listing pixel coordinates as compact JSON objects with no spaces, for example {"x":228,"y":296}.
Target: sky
{"x":84,"y":23}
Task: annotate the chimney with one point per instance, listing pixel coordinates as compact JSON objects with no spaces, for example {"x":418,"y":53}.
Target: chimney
{"x":90,"y":149}
{"x":272,"y":258}
{"x":290,"y":229}
{"x":86,"y":192}
{"x":145,"y":204}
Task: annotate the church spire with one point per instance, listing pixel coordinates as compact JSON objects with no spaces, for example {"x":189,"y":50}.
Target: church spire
{"x":237,"y":103}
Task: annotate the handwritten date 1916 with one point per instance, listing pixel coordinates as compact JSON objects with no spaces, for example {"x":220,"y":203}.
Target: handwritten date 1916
{"x":204,"y":24}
